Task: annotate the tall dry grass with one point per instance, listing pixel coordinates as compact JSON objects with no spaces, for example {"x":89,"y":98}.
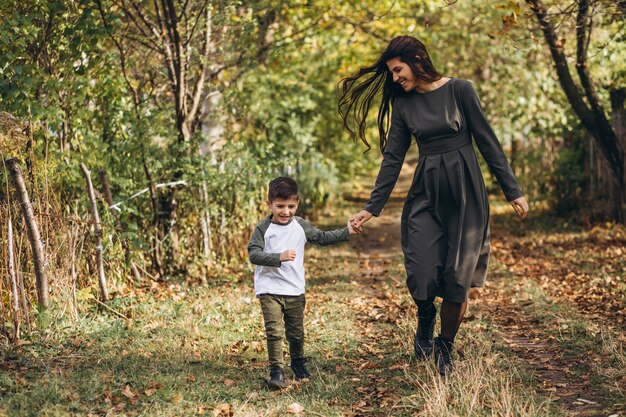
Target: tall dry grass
{"x":487,"y":380}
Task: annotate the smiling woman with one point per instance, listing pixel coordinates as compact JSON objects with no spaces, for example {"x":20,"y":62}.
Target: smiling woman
{"x":445,"y":220}
{"x":403,"y":75}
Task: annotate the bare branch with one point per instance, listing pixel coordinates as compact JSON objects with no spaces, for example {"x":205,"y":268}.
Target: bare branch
{"x":196,"y":22}
{"x":560,"y":63}
{"x":583,"y":29}
{"x":183,"y":11}
{"x":203,"y":64}
{"x":137,"y":23}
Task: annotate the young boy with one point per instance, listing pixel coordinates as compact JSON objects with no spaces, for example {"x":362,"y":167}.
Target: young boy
{"x":277,"y":249}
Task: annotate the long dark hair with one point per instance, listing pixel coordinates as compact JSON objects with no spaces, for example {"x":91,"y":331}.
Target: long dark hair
{"x":358,"y":92}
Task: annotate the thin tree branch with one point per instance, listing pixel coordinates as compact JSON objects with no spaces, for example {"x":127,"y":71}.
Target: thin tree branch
{"x":197,"y":94}
{"x":583,"y":29}
{"x":192,"y":32}
{"x":560,"y":63}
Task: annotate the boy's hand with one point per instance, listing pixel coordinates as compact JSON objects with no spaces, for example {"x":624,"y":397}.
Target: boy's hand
{"x":357,"y":220}
{"x":288,"y":255}
{"x":351,"y":229}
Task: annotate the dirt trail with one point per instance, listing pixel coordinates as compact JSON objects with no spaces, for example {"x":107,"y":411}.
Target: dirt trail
{"x":526,"y":337}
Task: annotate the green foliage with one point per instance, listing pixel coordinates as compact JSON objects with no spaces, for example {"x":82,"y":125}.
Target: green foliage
{"x":274,"y":69}
{"x":568,"y":179}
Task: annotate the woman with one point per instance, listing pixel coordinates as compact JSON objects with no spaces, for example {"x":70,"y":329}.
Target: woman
{"x":445,"y":220}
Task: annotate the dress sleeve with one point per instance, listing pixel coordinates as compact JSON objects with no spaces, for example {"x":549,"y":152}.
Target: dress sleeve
{"x":322,"y":238}
{"x":488,"y":143}
{"x":256,"y":246}
{"x":398,"y":142}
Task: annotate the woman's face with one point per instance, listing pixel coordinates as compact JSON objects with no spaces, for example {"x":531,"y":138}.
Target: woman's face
{"x":402,"y":74}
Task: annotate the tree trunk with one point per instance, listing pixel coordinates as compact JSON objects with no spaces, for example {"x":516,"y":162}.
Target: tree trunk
{"x":106,"y":190}
{"x":618,"y":116}
{"x":16,"y":302}
{"x":206,"y":225}
{"x":34,"y":237}
{"x":156,"y":257}
{"x":73,"y":272}
{"x":97,"y":232}
{"x":25,"y":303}
{"x":591,"y":115}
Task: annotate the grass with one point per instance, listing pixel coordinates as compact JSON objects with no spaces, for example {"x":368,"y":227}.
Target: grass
{"x":191,"y":350}
{"x":592,"y":349}
{"x":200,"y":350}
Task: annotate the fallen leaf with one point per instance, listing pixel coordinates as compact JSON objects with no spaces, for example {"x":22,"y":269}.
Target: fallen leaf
{"x":150,"y":392}
{"x":223,"y":409}
{"x":229,"y":382}
{"x":177,"y":398}
{"x":294,"y":408}
{"x":127,"y":392}
{"x":191,"y":378}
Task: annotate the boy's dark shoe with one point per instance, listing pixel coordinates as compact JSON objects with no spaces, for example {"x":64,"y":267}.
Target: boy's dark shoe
{"x":443,"y":355}
{"x":299,"y":369}
{"x":277,"y":379}
{"x":423,"y":341}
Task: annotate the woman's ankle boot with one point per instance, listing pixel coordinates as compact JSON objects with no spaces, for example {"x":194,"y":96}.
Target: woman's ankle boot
{"x":423,"y":341}
{"x":443,"y":355}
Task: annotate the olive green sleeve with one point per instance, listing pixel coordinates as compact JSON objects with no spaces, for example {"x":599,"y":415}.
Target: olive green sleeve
{"x":257,"y":244}
{"x":322,"y":238}
{"x":488,"y":143}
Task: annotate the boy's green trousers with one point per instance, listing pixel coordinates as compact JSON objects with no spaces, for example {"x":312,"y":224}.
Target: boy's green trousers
{"x":283,"y":316}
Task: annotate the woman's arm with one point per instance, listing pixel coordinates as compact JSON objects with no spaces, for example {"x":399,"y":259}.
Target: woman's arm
{"x":398,"y":142}
{"x":488,"y":143}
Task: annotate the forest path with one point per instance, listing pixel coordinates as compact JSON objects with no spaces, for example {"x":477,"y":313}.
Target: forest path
{"x":544,"y":338}
{"x":564,"y":329}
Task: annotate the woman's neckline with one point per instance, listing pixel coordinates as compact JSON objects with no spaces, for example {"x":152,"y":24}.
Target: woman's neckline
{"x":436,"y":89}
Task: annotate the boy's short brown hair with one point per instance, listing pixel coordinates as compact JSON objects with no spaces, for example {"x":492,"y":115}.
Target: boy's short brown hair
{"x":282,"y":188}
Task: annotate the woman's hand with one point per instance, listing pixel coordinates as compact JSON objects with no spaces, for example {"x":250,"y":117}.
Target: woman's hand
{"x":520,"y":206}
{"x":358,"y":219}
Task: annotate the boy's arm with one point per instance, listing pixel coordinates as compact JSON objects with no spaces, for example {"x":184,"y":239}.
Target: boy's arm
{"x":256,"y":246}
{"x":315,"y":235}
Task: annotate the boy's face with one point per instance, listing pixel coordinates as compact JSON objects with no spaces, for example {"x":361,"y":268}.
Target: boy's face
{"x":283,"y":210}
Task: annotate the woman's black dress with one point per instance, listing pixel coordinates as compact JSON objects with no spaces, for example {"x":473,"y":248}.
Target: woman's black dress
{"x":445,"y":220}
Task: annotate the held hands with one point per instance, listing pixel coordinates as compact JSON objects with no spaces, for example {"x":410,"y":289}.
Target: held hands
{"x":356,"y":221}
{"x":350,"y":228}
{"x":288,"y":255}
{"x":520,"y":206}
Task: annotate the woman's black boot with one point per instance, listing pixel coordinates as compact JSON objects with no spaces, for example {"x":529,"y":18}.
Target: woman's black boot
{"x":423,"y":341}
{"x":443,"y":355}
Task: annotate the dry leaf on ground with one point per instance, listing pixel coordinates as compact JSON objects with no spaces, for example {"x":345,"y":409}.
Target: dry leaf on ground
{"x":223,"y":409}
{"x":127,"y":392}
{"x":295,"y":408}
